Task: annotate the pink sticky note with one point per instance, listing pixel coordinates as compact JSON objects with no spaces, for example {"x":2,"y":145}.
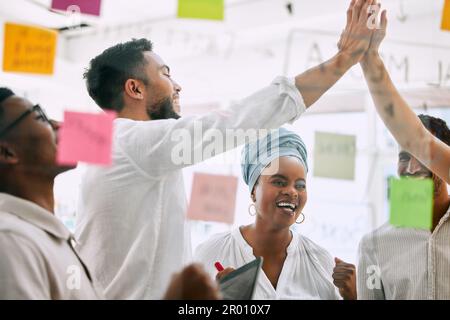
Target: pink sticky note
{"x":213,"y":198}
{"x":86,"y":137}
{"x":86,"y":6}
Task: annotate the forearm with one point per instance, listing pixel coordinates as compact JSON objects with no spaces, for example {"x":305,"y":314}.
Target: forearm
{"x":314,"y":82}
{"x":402,"y":122}
{"x":400,"y":119}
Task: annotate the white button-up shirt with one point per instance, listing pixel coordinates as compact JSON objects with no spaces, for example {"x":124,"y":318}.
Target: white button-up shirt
{"x":405,"y":263}
{"x":131,"y":216}
{"x":306,"y":274}
{"x":37,"y":258}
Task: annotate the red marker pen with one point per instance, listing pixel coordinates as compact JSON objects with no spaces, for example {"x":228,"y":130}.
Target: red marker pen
{"x":218,"y":266}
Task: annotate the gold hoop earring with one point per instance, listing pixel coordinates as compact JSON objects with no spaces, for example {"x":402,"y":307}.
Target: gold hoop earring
{"x":250,"y":211}
{"x":301,"y":214}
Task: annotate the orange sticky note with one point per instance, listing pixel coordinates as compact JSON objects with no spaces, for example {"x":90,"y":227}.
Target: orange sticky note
{"x":446,"y":16}
{"x":29,"y":49}
{"x":213,"y":198}
{"x":86,"y":137}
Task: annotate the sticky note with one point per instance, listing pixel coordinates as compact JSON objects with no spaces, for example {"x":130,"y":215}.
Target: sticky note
{"x":334,"y":156}
{"x":201,"y":9}
{"x":411,"y":203}
{"x":29,"y":49}
{"x":91,"y":7}
{"x":445,"y":25}
{"x":213,"y":198}
{"x":85,"y":137}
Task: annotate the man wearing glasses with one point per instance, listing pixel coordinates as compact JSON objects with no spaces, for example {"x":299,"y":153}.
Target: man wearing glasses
{"x":37,"y":257}
{"x":38,"y":260}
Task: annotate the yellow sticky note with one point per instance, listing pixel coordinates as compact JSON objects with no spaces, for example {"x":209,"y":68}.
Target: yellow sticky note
{"x":446,"y":16}
{"x":29,"y":49}
{"x":201,"y":9}
{"x":334,"y":156}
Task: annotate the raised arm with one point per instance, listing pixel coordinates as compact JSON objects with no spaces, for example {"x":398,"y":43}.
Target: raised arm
{"x":313,"y":83}
{"x":398,"y":117}
{"x":159,"y":147}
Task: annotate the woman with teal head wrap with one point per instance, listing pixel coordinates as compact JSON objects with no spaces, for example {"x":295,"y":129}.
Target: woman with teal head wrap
{"x":274,"y":168}
{"x":258,"y":155}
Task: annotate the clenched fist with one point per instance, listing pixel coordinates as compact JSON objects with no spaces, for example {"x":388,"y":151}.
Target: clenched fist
{"x":344,"y":278}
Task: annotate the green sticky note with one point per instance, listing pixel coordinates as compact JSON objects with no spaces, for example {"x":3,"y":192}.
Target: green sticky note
{"x":334,"y":156}
{"x":201,"y":9}
{"x":411,"y":203}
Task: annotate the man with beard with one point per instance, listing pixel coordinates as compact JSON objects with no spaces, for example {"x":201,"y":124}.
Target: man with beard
{"x":402,"y":263}
{"x":131,"y":224}
{"x":38,"y":258}
{"x":405,"y":263}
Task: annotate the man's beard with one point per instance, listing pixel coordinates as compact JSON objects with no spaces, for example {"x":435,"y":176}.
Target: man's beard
{"x":162,"y":110}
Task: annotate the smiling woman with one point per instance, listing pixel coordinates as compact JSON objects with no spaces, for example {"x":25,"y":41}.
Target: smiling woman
{"x":275,"y":168}
{"x":279,"y":198}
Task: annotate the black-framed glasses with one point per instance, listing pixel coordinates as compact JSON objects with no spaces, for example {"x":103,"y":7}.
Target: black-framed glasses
{"x":37,"y":108}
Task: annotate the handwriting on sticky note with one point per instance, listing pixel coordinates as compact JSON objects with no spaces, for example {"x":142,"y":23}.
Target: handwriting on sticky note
{"x":29,"y":49}
{"x":213,"y":198}
{"x":91,"y":7}
{"x":334,"y":156}
{"x":411,"y":203}
{"x":201,"y":9}
{"x":86,"y":137}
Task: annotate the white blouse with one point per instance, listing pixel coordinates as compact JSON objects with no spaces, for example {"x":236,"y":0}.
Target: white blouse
{"x":306,"y":274}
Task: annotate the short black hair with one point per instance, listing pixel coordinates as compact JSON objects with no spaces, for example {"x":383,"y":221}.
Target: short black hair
{"x":437,"y":127}
{"x":5,"y":93}
{"x":108,"y":72}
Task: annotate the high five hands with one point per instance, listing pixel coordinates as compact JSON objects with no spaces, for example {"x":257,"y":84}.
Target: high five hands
{"x":360,"y":38}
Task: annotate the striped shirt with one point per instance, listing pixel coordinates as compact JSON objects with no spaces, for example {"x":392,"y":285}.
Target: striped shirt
{"x":405,"y":263}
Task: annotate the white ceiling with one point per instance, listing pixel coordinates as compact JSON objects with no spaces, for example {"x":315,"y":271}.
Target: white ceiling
{"x":238,"y":13}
